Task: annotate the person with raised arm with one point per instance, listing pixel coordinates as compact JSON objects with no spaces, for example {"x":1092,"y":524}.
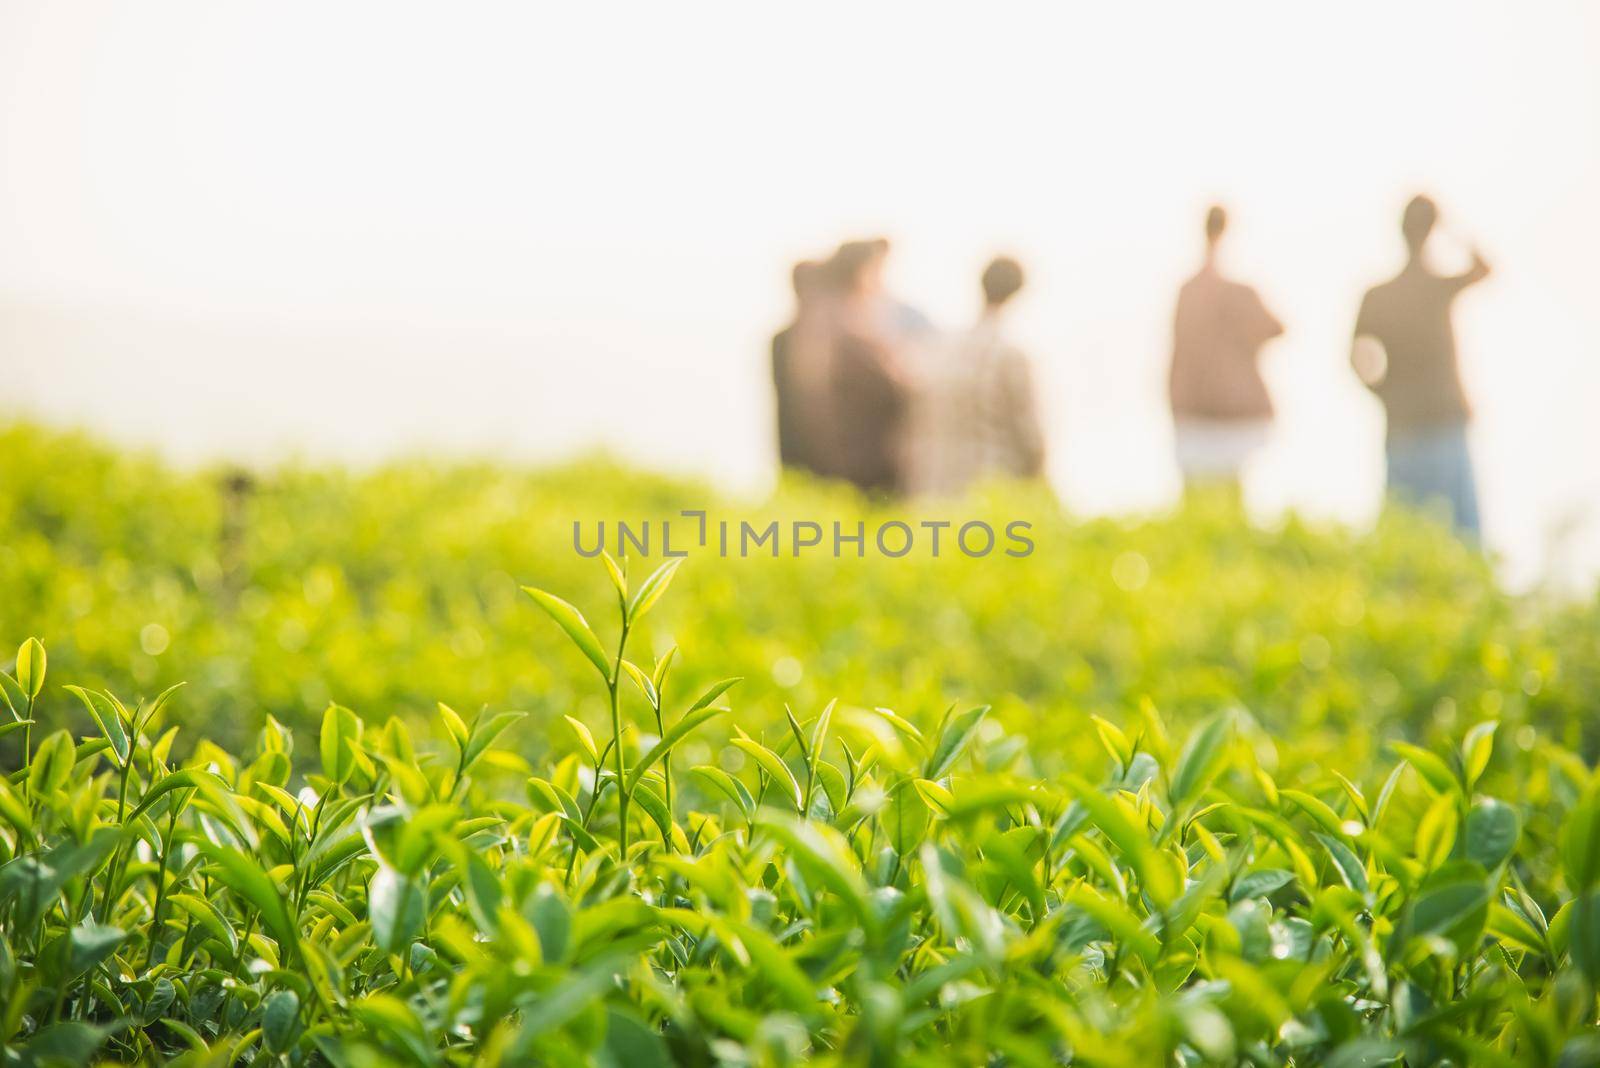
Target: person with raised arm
{"x":1405,"y":352}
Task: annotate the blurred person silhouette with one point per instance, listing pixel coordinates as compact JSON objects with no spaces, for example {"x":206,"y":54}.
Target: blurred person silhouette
{"x":901,"y":322}
{"x":801,"y":357}
{"x":1221,"y":411}
{"x":866,"y":374}
{"x":973,"y":414}
{"x":1405,"y":351}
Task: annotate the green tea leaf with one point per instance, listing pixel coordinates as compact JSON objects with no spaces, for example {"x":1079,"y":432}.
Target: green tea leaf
{"x":643,"y":682}
{"x":1319,"y":810}
{"x":585,"y":738}
{"x":1580,"y":849}
{"x":953,"y":741}
{"x":905,"y":817}
{"x":655,"y":807}
{"x":1456,"y":910}
{"x":633,"y":1044}
{"x":570,"y":620}
{"x":1115,"y":741}
{"x":341,"y":734}
{"x":774,"y":765}
{"x":1260,"y":883}
{"x":675,"y":734}
{"x":52,"y":764}
{"x":31,"y":662}
{"x":658,"y":677}
{"x":244,"y":877}
{"x":206,"y":914}
{"x":726,"y":785}
{"x":66,"y":1043}
{"x":92,"y":943}
{"x":827,"y":857}
{"x":1349,"y":866}
{"x":394,"y":1020}
{"x":484,"y":733}
{"x":1117,"y":919}
{"x":1476,"y":749}
{"x":188,"y":779}
{"x":280,"y":1020}
{"x":939,"y":800}
{"x":1202,"y":758}
{"x":552,"y":920}
{"x":651,"y":589}
{"x":618,"y":579}
{"x":105,"y":715}
{"x":1434,"y":771}
{"x":395,"y":908}
{"x":1577,"y":929}
{"x":1436,"y":832}
{"x":1131,"y":841}
{"x":819,"y":730}
{"x":454,"y":725}
{"x":713,"y":693}
{"x":1492,"y":830}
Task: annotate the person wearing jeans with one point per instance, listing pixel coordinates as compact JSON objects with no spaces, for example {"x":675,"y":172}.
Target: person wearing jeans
{"x":1434,"y":465}
{"x":1405,"y":352}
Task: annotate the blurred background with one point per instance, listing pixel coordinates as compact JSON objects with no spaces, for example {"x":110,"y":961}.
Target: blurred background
{"x":351,"y":231}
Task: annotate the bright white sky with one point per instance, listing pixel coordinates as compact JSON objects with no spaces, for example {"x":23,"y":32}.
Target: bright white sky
{"x":363,"y":227}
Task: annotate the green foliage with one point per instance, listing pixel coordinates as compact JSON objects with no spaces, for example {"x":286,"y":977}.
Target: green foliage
{"x":1362,"y":825}
{"x":391,"y":590}
{"x":843,"y":888}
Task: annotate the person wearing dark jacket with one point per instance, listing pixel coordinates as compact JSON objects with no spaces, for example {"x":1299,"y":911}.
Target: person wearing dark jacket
{"x":798,"y":384}
{"x":866,"y":378}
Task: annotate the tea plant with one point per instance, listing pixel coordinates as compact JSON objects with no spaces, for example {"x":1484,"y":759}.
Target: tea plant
{"x":843,"y":886}
{"x":392,"y":589}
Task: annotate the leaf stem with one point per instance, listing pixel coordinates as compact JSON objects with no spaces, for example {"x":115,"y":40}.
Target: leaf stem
{"x":27,"y":741}
{"x":161,"y":888}
{"x":614,"y":684}
{"x":116,"y":855}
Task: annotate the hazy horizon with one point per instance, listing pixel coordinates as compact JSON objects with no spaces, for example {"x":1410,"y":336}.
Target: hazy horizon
{"x":359,"y":230}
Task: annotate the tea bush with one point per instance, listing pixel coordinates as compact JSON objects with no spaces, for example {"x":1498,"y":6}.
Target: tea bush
{"x":853,"y":889}
{"x":1319,"y":850}
{"x":393,"y":588}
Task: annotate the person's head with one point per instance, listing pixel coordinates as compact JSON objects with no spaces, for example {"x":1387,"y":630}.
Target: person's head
{"x":856,"y":268}
{"x":1417,"y":222}
{"x":1216,"y":223}
{"x":1001,"y":280}
{"x":808,"y":278}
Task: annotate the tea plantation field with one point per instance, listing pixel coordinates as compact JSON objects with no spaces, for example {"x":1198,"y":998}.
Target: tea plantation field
{"x":438,"y":789}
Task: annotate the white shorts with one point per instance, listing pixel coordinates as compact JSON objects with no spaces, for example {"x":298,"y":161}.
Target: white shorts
{"x":1218,"y":448}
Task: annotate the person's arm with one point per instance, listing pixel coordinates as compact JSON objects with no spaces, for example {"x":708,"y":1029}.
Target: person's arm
{"x":1267,"y":324}
{"x":1473,"y":275}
